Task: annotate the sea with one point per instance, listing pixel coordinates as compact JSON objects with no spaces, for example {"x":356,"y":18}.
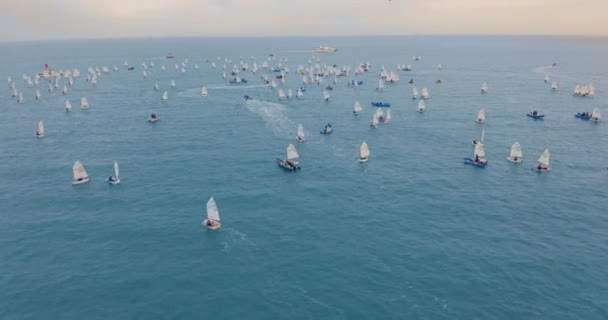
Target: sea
{"x":412,"y":234}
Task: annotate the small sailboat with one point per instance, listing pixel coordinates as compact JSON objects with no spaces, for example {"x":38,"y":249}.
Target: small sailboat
{"x":357,"y":108}
{"x":326,"y":95}
{"x":424,"y":94}
{"x":164,"y":97}
{"x":145,"y":74}
{"x":281,"y":94}
{"x":596,"y":115}
{"x":421,"y":106}
{"x":387,"y":117}
{"x":116,"y":178}
{"x":479,"y":155}
{"x":172,"y":84}
{"x":156,"y":87}
{"x":481,"y":116}
{"x":376,"y":118}
{"x":65,"y":90}
{"x":84,"y":103}
{"x":213,"y":215}
{"x":546,"y":77}
{"x":292,"y":161}
{"x":484,"y":87}
{"x":543,"y":162}
{"x":363,"y":152}
{"x":20,"y":99}
{"x":289,"y":94}
{"x":535,"y":115}
{"x":68,"y":105}
{"x":415,"y":93}
{"x":204,"y":91}
{"x":515,"y":156}
{"x":154,"y":117}
{"x":40,"y":130}
{"x":37,"y":94}
{"x":80,"y":174}
{"x":380,"y":85}
{"x":299,"y":93}
{"x":301,"y":135}
{"x":554,"y":86}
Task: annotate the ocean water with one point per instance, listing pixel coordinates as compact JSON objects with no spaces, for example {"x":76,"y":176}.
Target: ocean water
{"x":412,"y":234}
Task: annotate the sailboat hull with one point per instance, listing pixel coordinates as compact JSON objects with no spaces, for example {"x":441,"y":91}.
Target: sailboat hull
{"x":538,"y":116}
{"x":542,"y":169}
{"x":363,"y":160}
{"x":284,"y":165}
{"x":214,"y":226}
{"x":472,"y":162}
{"x":520,"y":160}
{"x":81,"y":181}
{"x":153,"y":120}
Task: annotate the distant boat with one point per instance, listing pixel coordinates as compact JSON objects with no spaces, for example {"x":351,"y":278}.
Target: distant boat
{"x":80,"y":174}
{"x":326,"y":96}
{"x":40,"y":130}
{"x":213,"y":215}
{"x":381,"y":104}
{"x":363,"y":152}
{"x":516,"y":155}
{"x":481,"y":116}
{"x":292,"y":161}
{"x":289,"y":94}
{"x":357,"y":108}
{"x":380,"y":85}
{"x":301,"y":135}
{"x":421,"y":106}
{"x":37,"y":94}
{"x":535,"y":115}
{"x":164,"y":97}
{"x":325,"y":49}
{"x":554,"y":85}
{"x":156,"y":87}
{"x":543,"y":162}
{"x":299,"y":93}
{"x":328,"y":129}
{"x":154,"y":117}
{"x":116,"y":178}
{"x":484,"y":87}
{"x":596,"y":115}
{"x":479,"y":155}
{"x":424,"y":94}
{"x":84,"y":103}
{"x":387,"y":117}
{"x":65,"y":90}
{"x":68,"y":105}
{"x":415,"y":93}
{"x":204,"y":91}
{"x":546,"y":77}
{"x":377,"y":116}
{"x":20,"y":99}
{"x":281,"y":94}
{"x":172,"y":83}
{"x":169,"y":56}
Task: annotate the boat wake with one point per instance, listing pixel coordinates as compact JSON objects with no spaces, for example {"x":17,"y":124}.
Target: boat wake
{"x":274,"y":116}
{"x":236,"y":87}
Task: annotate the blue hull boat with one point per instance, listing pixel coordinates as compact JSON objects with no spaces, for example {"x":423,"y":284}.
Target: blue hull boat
{"x":352,"y":83}
{"x":327,"y":132}
{"x":536,"y":116}
{"x":582,"y":116}
{"x":283,"y":164}
{"x":475,"y":163}
{"x":381,"y":104}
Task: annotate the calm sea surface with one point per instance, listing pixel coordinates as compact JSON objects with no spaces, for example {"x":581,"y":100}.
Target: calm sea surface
{"x":412,"y":234}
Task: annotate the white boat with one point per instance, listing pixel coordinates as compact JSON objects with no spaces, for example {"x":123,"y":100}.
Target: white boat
{"x":84,"y":103}
{"x":380,"y":85}
{"x":301,"y":137}
{"x":387,"y":117}
{"x":424,"y":94}
{"x":289,"y":94}
{"x":65,"y":90}
{"x":116,"y":178}
{"x":299,"y":93}
{"x":415,"y":93}
{"x":357,"y":108}
{"x":479,"y":155}
{"x":363,"y":152}
{"x":281,"y":94}
{"x":145,"y":74}
{"x":37,"y":94}
{"x":326,"y":96}
{"x":20,"y":99}
{"x":213,"y":215}
{"x":376,"y":118}
{"x":156,"y":87}
{"x":172,"y":83}
{"x":80,"y":174}
{"x":325,"y":49}
{"x":546,"y":77}
{"x":596,"y":115}
{"x":543,"y":162}
{"x":421,"y":106}
{"x":554,"y":85}
{"x":204,"y":91}
{"x":516,"y":155}
{"x":40,"y":130}
{"x":165,"y":96}
{"x":68,"y":105}
{"x":484,"y":87}
{"x":481,"y":116}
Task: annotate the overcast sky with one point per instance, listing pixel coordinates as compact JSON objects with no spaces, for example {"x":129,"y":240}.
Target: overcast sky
{"x":46,"y":19}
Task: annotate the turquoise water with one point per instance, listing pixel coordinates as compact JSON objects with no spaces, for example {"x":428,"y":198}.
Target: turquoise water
{"x":412,"y":234}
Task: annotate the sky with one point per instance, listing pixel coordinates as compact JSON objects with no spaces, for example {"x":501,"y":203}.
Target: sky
{"x":61,"y":19}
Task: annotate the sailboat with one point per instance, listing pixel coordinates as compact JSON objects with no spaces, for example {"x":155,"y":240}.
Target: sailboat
{"x":357,"y":108}
{"x":326,"y":96}
{"x":387,"y":117}
{"x":554,"y":86}
{"x":172,"y":84}
{"x":516,"y":156}
{"x":204,"y":91}
{"x":415,"y":93}
{"x":484,"y":87}
{"x":289,"y":94}
{"x":164,"y":97}
{"x":68,"y":105}
{"x":596,"y":116}
{"x":40,"y":130}
{"x":292,"y":161}
{"x":481,"y":116}
{"x":84,"y":103}
{"x":479,"y":155}
{"x":281,"y":94}
{"x":116,"y":178}
{"x":376,"y":118}
{"x":421,"y":106}
{"x":37,"y":94}
{"x":300,"y":136}
{"x":20,"y":99}
{"x":80,"y":174}
{"x":156,"y":87}
{"x":65,"y":90}
{"x":380,"y":85}
{"x":543,"y":162}
{"x":145,"y":74}
{"x":546,"y":77}
{"x":424,"y":94}
{"x":213,"y":215}
{"x":299,"y":93}
{"x":363,"y":152}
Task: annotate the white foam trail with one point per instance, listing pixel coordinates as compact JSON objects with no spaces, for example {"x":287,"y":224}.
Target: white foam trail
{"x":273,"y":114}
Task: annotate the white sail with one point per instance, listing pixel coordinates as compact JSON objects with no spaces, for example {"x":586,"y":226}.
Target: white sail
{"x":299,"y":93}
{"x":415,"y":93}
{"x":281,"y":94}
{"x":421,"y":106}
{"x":292,"y":153}
{"x":289,"y":94}
{"x":484,"y":87}
{"x":301,"y":134}
{"x":516,"y":151}
{"x":116,"y":171}
{"x":84,"y":103}
{"x":68,"y":105}
{"x":79,"y":172}
{"x":554,"y":85}
{"x":479,"y":151}
{"x":172,"y":83}
{"x":65,"y":90}
{"x":156,"y":87}
{"x":212,"y":212}
{"x":380,"y":85}
{"x":325,"y":95}
{"x":596,"y":114}
{"x":165,"y":96}
{"x":388,"y":116}
{"x":204,"y":91}
{"x":545,"y":158}
{"x":481,"y":115}
{"x":425,"y":93}
{"x":40,"y":131}
{"x":20,"y":99}
{"x":364,"y":150}
{"x":357,"y":107}
{"x":145,"y":74}
{"x":483,"y":135}
{"x":37,"y":94}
